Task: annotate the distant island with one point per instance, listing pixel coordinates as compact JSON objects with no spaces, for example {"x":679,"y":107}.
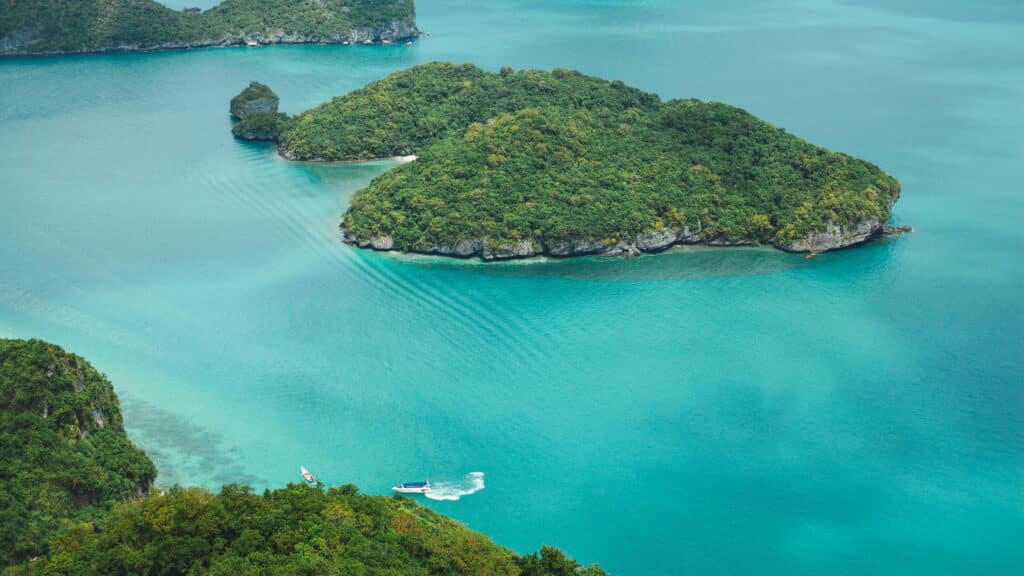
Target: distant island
{"x":519,"y":164}
{"x":76,"y":499}
{"x":38,"y":27}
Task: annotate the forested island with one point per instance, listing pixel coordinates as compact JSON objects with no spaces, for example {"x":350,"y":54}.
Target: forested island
{"x":78,"y":26}
{"x":77,"y":499}
{"x":522,"y":163}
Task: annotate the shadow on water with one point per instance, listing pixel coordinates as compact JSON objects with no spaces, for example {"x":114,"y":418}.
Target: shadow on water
{"x":183,"y":452}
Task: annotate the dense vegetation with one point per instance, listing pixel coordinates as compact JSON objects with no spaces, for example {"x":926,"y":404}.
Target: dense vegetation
{"x":262,"y":126}
{"x":294,"y":530}
{"x":411,"y":109}
{"x":64,"y":456}
{"x":556,"y":158}
{"x":86,"y":25}
{"x":66,"y":462}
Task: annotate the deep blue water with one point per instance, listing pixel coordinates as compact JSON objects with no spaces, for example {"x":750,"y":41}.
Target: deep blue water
{"x":696,"y":412}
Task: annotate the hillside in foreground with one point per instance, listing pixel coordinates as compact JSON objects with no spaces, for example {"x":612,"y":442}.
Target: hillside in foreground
{"x":75,"y":500}
{"x":64,"y":455}
{"x":74,"y":26}
{"x":518,"y":164}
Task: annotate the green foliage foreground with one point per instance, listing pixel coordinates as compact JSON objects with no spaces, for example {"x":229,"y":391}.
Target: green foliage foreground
{"x":89,"y":25}
{"x":73,"y":502}
{"x":559,"y":159}
{"x":294,"y":530}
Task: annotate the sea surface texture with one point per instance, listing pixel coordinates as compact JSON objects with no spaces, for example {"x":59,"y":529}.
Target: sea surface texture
{"x":704,"y":411}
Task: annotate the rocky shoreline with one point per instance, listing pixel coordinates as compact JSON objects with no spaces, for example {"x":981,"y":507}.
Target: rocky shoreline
{"x":392,"y":32}
{"x":834,"y":238}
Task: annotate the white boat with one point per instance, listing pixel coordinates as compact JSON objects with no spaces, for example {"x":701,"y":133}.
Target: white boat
{"x":307,"y":475}
{"x":412,"y":487}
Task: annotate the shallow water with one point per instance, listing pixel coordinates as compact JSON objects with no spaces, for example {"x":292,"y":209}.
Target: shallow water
{"x":700,"y":411}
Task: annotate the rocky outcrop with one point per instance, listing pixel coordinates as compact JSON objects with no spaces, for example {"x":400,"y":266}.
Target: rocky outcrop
{"x":835,"y":237}
{"x":392,"y":32}
{"x":521,"y":249}
{"x":255,"y":99}
{"x":256,"y":109}
{"x":656,"y":241}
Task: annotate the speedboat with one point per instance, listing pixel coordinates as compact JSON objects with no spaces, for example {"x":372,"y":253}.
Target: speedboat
{"x":307,"y":475}
{"x":412,"y":487}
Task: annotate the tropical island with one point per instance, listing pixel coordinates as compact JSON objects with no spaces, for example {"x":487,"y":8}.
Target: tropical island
{"x":80,"y":26}
{"x":77,"y":499}
{"x":516,"y":164}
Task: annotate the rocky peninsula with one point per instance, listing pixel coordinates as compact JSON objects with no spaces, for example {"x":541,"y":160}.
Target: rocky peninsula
{"x":530,"y":163}
{"x":60,"y":27}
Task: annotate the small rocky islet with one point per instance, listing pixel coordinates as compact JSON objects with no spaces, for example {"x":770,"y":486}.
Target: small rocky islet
{"x":255,"y":108}
{"x":515,"y":164}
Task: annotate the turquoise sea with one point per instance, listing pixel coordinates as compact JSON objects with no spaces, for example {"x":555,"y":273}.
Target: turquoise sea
{"x":699,"y":412}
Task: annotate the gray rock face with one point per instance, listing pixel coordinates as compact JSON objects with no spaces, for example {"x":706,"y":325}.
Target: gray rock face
{"x":461,"y":249}
{"x":577,"y":248}
{"x":382,"y":243}
{"x":260,"y":105}
{"x":656,"y":241}
{"x":835,"y":237}
{"x":724,"y":242}
{"x":391,"y":32}
{"x":521,"y":249}
{"x":18,"y":40}
{"x":256,"y":99}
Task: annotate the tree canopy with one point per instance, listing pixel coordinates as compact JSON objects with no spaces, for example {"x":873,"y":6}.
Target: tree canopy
{"x":297,"y":530}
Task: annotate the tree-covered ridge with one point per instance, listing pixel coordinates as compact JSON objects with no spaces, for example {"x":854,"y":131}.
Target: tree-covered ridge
{"x":73,"y":502}
{"x":522,"y":163}
{"x":64,"y":455}
{"x":39,"y":26}
{"x":411,"y":109}
{"x":295,"y":530}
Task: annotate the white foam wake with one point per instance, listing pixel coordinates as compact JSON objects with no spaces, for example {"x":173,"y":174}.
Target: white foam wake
{"x":453,"y":490}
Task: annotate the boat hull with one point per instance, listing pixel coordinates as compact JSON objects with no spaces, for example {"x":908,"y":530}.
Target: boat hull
{"x":417,"y":490}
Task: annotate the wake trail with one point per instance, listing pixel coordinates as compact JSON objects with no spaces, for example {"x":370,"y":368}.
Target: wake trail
{"x":455,"y":489}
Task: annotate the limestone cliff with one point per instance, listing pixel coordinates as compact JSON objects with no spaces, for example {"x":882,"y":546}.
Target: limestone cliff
{"x":256,"y":98}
